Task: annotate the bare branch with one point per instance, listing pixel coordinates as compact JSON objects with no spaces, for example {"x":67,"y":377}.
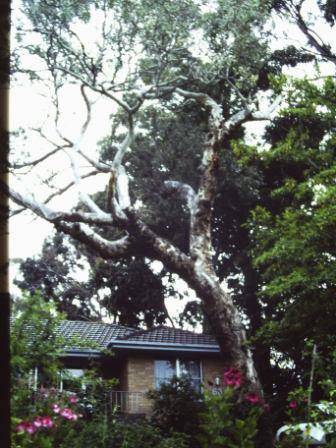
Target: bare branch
{"x":85,"y":198}
{"x":157,"y":248}
{"x":267,"y":114}
{"x":28,"y":201}
{"x":38,"y":160}
{"x":322,"y":49}
{"x":59,"y":192}
{"x":118,"y":191}
{"x":107,"y":249}
{"x":62,"y":190}
{"x":122,"y":189}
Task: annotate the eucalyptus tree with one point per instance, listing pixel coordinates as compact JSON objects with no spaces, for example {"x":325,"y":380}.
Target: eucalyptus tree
{"x":127,"y":290}
{"x":140,"y":56}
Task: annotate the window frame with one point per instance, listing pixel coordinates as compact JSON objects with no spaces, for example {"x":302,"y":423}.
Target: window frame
{"x":68,"y":371}
{"x":177,"y":367}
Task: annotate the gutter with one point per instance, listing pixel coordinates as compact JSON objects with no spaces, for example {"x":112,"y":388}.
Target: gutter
{"x":141,"y":345}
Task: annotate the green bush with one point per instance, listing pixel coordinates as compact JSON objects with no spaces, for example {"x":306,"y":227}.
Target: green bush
{"x":177,"y":408}
{"x":41,"y":417}
{"x":230,"y":418}
{"x":103,"y":433}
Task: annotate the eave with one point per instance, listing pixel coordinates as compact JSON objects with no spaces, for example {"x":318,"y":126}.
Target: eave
{"x":168,"y":347}
{"x":82,"y":353}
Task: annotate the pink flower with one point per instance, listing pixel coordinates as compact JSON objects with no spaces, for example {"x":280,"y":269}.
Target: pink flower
{"x":37,"y":422}
{"x":22,"y":426}
{"x":73,"y":399}
{"x":233,"y":377}
{"x":30,"y":429}
{"x":47,"y":422}
{"x":293,"y":404}
{"x":253,"y":398}
{"x":68,"y":414}
{"x":56,"y":408}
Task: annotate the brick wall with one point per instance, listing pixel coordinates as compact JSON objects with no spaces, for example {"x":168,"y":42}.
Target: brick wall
{"x":212,"y":368}
{"x":140,"y":378}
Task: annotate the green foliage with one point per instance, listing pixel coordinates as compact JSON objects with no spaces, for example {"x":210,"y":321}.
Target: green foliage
{"x":176,"y":409}
{"x":122,"y":434}
{"x":228,"y":421}
{"x":292,"y":230}
{"x":299,"y":411}
{"x":34,"y":339}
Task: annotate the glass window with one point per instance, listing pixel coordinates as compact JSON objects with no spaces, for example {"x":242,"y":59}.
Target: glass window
{"x":71,"y":380}
{"x":164,"y":371}
{"x":192,"y":370}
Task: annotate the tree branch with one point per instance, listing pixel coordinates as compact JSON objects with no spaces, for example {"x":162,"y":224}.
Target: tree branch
{"x":155,"y":247}
{"x":322,"y":49}
{"x":53,"y":216}
{"x":38,"y":160}
{"x":105,"y":248}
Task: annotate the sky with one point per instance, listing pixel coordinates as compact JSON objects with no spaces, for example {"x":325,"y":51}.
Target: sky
{"x":30,"y":108}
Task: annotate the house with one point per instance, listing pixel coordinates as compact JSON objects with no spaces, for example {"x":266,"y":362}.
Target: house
{"x":142,"y":359}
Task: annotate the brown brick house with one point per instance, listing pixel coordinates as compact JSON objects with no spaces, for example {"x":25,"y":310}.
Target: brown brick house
{"x":142,"y":359}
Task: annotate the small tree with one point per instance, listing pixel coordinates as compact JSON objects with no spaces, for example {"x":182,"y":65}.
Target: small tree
{"x":34,"y":340}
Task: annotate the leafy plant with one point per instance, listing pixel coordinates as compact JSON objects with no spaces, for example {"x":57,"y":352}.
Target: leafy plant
{"x":176,"y":408}
{"x":231,"y":417}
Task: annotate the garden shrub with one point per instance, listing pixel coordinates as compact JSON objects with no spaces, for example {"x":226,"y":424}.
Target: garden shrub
{"x":177,"y":408}
{"x":112,"y":433}
{"x":41,"y":417}
{"x":230,"y":418}
{"x":299,"y":411}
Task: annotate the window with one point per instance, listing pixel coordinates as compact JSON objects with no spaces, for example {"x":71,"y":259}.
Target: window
{"x":192,"y":370}
{"x":165,"y":370}
{"x":71,"y":380}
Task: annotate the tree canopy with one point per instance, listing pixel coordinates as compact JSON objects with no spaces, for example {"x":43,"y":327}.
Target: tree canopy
{"x":173,"y":85}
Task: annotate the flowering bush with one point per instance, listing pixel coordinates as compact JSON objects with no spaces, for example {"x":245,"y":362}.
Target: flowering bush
{"x":320,"y":416}
{"x":231,"y":417}
{"x":232,"y":378}
{"x":41,"y":418}
{"x":50,"y":417}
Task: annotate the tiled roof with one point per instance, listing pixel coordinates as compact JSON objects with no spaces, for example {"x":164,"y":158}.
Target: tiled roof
{"x":82,"y":335}
{"x":169,"y":335}
{"x":97,"y":333}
